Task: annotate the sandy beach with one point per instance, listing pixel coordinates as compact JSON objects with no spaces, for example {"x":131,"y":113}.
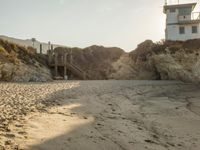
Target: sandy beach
{"x":100,"y":115}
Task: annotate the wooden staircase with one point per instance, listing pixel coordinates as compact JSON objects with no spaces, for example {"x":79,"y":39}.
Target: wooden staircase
{"x":56,"y":60}
{"x":76,"y":71}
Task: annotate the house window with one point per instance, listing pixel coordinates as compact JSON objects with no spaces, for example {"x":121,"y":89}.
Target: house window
{"x":194,"y":29}
{"x":182,"y":30}
{"x":172,"y":10}
{"x":185,"y":11}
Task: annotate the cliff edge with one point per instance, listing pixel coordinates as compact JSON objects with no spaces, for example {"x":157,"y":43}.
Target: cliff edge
{"x":20,"y":64}
{"x":167,"y":60}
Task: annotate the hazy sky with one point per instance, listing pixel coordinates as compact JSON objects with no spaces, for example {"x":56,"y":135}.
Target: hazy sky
{"x":81,"y":23}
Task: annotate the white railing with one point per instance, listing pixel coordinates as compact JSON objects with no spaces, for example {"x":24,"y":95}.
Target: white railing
{"x":184,"y":18}
{"x":195,"y":16}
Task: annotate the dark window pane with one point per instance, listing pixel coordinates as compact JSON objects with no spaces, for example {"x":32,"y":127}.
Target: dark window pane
{"x":194,"y":29}
{"x":172,"y":10}
{"x":185,"y":11}
{"x":182,"y":30}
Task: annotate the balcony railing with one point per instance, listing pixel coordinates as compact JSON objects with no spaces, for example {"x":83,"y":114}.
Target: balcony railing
{"x":195,"y":16}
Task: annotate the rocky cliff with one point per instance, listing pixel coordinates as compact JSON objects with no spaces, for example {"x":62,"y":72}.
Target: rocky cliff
{"x":149,"y":61}
{"x":167,"y":60}
{"x":95,"y":61}
{"x":18,"y":63}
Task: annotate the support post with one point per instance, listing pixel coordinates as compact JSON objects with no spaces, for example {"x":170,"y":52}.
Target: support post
{"x":56,"y":64}
{"x":49,"y":45}
{"x":71,"y":58}
{"x":65,"y":64}
{"x":71,"y":62}
{"x":52,"y":47}
{"x":40,"y":48}
{"x":49,"y":54}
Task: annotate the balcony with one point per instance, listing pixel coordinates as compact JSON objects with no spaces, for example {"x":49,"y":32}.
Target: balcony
{"x":195,"y":16}
{"x":189,"y":19}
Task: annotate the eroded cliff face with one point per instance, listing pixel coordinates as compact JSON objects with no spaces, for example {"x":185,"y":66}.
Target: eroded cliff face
{"x":135,"y":65}
{"x":168,"y":60}
{"x":24,"y":73}
{"x":95,"y":61}
{"x":171,"y":67}
{"x":20,"y":64}
{"x":149,"y":61}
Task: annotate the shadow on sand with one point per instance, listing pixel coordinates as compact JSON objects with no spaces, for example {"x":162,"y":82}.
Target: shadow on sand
{"x":82,"y":136}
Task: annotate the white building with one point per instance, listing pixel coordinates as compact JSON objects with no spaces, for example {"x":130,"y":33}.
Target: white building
{"x":182,"y":23}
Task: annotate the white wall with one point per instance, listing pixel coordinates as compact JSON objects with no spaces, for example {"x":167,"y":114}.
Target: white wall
{"x":184,"y":18}
{"x":172,"y":17}
{"x":172,"y":33}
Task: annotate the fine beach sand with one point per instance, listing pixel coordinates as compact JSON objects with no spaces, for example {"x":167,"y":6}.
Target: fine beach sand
{"x":100,"y":115}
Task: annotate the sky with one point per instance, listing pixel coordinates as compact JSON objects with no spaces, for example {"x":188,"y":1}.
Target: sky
{"x":82,"y":23}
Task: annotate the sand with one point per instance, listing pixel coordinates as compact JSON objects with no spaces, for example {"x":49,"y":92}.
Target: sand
{"x":100,"y":115}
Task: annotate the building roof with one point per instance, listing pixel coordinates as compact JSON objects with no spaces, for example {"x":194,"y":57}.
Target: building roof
{"x":180,"y":6}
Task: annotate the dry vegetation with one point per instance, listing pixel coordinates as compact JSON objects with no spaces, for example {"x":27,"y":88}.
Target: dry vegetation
{"x":17,"y":63}
{"x":165,"y":60}
{"x":148,"y":48}
{"x":96,"y":61}
{"x":13,"y":53}
{"x":168,"y":60}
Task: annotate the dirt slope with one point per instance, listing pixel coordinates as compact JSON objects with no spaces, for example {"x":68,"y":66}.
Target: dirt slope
{"x":168,"y":60}
{"x":96,"y":61}
{"x":18,"y":63}
{"x":149,"y":61}
{"x":28,"y":42}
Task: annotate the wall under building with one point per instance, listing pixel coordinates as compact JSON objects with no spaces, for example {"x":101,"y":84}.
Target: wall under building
{"x":172,"y":32}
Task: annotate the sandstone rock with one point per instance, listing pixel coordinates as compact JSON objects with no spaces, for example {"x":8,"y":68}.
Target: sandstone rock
{"x":7,"y":71}
{"x":196,"y":70}
{"x":20,"y":64}
{"x":96,"y":61}
{"x":24,"y":73}
{"x":169,"y":69}
{"x":167,"y":61}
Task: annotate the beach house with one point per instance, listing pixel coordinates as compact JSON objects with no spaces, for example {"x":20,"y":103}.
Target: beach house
{"x":182,"y":23}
